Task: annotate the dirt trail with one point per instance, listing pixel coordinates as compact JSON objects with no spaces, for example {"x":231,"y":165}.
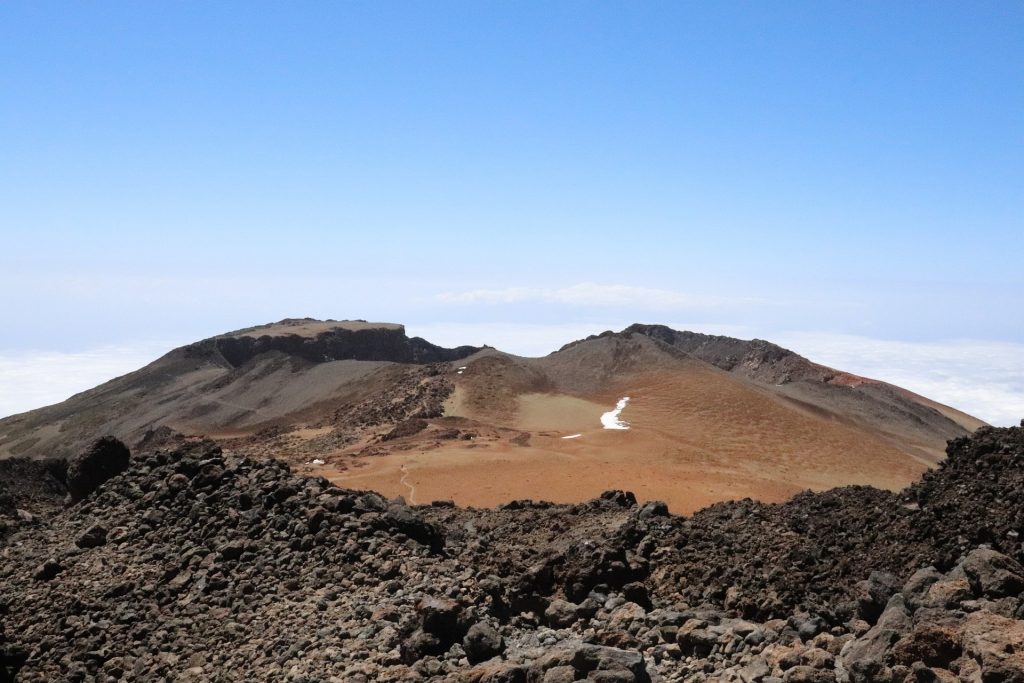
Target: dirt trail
{"x":405,"y":482}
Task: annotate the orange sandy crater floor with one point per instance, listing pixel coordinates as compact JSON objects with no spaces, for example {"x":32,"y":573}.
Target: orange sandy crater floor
{"x":693,"y":440}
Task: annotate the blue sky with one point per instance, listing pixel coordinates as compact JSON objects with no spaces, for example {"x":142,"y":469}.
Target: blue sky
{"x":514,"y":171}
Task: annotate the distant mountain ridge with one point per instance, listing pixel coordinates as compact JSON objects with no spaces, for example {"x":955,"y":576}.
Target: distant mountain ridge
{"x":225,"y":384}
{"x":755,"y":359}
{"x":813,"y":384}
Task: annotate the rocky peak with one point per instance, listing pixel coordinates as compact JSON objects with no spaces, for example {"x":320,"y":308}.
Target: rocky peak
{"x":320,"y":341}
{"x":755,"y":358}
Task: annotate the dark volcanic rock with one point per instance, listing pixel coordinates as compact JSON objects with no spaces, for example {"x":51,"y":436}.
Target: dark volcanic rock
{"x":48,"y":570}
{"x":589,"y":659}
{"x":405,"y":428}
{"x":560,"y":613}
{"x":992,"y":574}
{"x":874,"y":594}
{"x":36,"y":486}
{"x":405,"y":519}
{"x":12,"y":658}
{"x":757,"y":358}
{"x":382,"y":344}
{"x":443,"y":618}
{"x":93,"y":537}
{"x":193,"y":564}
{"x":87,"y":471}
{"x":482,"y":642}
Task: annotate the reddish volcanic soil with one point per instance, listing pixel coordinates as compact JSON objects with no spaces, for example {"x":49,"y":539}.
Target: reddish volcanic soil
{"x":695,"y":437}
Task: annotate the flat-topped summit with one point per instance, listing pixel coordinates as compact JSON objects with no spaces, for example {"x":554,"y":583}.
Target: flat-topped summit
{"x":310,"y":327}
{"x":321,"y":341}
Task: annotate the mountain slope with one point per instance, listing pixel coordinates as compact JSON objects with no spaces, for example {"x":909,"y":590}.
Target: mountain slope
{"x":904,"y":416}
{"x":709,"y":418}
{"x":698,"y":432}
{"x":234,"y":384}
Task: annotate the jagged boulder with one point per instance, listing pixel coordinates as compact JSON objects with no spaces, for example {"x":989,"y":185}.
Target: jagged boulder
{"x":874,"y":593}
{"x":12,"y":659}
{"x":867,"y":658}
{"x":997,"y":644}
{"x":992,"y":574}
{"x":628,"y":666}
{"x":966,"y":621}
{"x":87,"y":471}
{"x":7,"y":505}
{"x":404,"y":519}
{"x":482,"y":642}
{"x":576,"y":661}
{"x":560,"y":613}
{"x":93,"y":537}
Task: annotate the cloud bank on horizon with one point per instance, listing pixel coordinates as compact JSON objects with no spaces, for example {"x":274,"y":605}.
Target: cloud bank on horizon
{"x":982,"y":378}
{"x":33,"y":379}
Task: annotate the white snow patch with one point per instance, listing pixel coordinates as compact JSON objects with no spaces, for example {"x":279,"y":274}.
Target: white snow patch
{"x":572,"y":436}
{"x":611,"y":420}
{"x":318,"y":461}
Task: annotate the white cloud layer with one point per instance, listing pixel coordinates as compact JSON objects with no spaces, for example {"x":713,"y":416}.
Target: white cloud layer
{"x":584,"y":294}
{"x":35,"y":379}
{"x":985,"y":379}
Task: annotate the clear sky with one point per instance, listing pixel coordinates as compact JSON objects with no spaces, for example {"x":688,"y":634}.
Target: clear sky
{"x":515,"y":172}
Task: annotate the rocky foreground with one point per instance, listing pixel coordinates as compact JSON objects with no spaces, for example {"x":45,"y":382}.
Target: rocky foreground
{"x":189,"y":565}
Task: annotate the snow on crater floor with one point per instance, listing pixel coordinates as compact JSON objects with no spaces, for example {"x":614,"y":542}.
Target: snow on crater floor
{"x":611,"y":420}
{"x":572,"y":436}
